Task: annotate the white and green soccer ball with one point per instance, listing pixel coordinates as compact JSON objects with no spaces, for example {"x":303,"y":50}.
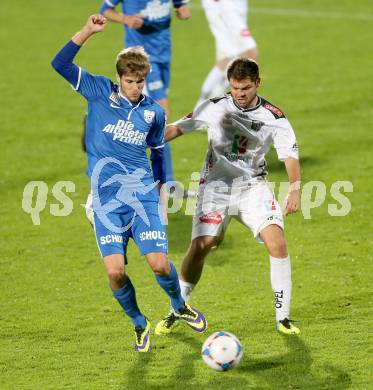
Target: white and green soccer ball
{"x":222,"y":351}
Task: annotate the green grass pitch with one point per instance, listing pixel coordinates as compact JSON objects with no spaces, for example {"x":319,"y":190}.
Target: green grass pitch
{"x":60,"y":328}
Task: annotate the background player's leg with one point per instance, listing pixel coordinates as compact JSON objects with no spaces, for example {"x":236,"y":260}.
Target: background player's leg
{"x":214,"y":78}
{"x":123,"y":289}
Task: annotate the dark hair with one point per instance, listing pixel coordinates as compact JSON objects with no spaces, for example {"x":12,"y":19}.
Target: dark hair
{"x":243,"y":68}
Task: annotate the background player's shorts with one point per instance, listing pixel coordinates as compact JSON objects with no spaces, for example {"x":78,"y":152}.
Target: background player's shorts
{"x":254,"y":205}
{"x":158,"y":81}
{"x":114,"y":229}
{"x":228,"y":23}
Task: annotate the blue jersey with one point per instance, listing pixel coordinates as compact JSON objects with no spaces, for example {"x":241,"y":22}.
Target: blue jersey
{"x":125,"y":198}
{"x":119,"y":129}
{"x":154,"y":35}
{"x":115,"y":127}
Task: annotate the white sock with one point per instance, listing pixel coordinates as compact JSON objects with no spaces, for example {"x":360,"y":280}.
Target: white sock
{"x":281,"y":286}
{"x":213,"y":79}
{"x":186,"y":288}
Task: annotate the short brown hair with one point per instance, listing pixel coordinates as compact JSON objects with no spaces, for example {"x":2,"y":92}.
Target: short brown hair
{"x":243,"y":68}
{"x":134,"y":61}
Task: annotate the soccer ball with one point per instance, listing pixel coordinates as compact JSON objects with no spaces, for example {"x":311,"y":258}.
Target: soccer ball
{"x":222,"y":351}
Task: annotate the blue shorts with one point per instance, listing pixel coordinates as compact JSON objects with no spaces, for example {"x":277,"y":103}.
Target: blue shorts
{"x":158,"y":81}
{"x":114,"y":229}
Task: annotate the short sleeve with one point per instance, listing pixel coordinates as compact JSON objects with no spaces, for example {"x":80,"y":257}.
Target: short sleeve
{"x":195,"y":120}
{"x":90,"y":86}
{"x":284,"y":140}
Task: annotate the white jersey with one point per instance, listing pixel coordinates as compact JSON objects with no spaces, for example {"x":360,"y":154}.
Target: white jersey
{"x":239,"y":139}
{"x":224,"y":5}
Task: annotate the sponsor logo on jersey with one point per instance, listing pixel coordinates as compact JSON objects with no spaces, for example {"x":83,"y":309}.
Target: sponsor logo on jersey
{"x":149,"y":116}
{"x":239,"y":147}
{"x":155,"y":9}
{"x":123,"y":131}
{"x":152,"y":235}
{"x":155,"y":85}
{"x":213,"y":218}
{"x":235,"y":157}
{"x":273,"y":109}
{"x":110,"y":239}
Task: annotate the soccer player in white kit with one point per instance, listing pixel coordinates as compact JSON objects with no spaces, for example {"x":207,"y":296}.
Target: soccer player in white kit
{"x":241,"y":127}
{"x":227,"y":20}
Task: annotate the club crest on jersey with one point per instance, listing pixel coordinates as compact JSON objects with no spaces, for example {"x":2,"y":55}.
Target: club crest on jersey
{"x":149,"y":116}
{"x":114,"y":98}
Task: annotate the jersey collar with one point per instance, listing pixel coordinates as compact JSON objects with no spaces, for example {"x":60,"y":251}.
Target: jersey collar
{"x":246,"y":109}
{"x":132,"y":104}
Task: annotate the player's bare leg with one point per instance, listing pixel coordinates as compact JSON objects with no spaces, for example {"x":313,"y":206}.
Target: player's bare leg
{"x":192,"y":266}
{"x":274,"y":240}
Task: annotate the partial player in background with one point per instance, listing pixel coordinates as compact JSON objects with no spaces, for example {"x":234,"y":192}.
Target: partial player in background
{"x":227,"y":20}
{"x":120,"y":125}
{"x":147,"y":23}
{"x":242,"y":127}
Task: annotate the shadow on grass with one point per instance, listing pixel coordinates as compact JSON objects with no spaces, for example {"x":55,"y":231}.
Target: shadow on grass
{"x":181,"y":372}
{"x":136,"y":376}
{"x":293,"y":370}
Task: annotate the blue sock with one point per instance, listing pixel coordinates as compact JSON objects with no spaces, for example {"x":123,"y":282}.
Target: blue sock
{"x":126,"y":296}
{"x":170,"y":284}
{"x":168,"y":162}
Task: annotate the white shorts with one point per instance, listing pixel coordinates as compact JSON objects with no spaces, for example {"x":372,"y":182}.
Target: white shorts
{"x":254,"y":205}
{"x":228,"y":24}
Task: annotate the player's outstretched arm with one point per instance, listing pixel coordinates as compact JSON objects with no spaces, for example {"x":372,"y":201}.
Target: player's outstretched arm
{"x":95,"y":23}
{"x":292,"y":203}
{"x":172,"y":131}
{"x":63,"y":61}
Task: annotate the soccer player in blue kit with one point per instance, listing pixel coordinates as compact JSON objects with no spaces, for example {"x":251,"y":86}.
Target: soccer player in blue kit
{"x":121,"y":123}
{"x":147,"y":23}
